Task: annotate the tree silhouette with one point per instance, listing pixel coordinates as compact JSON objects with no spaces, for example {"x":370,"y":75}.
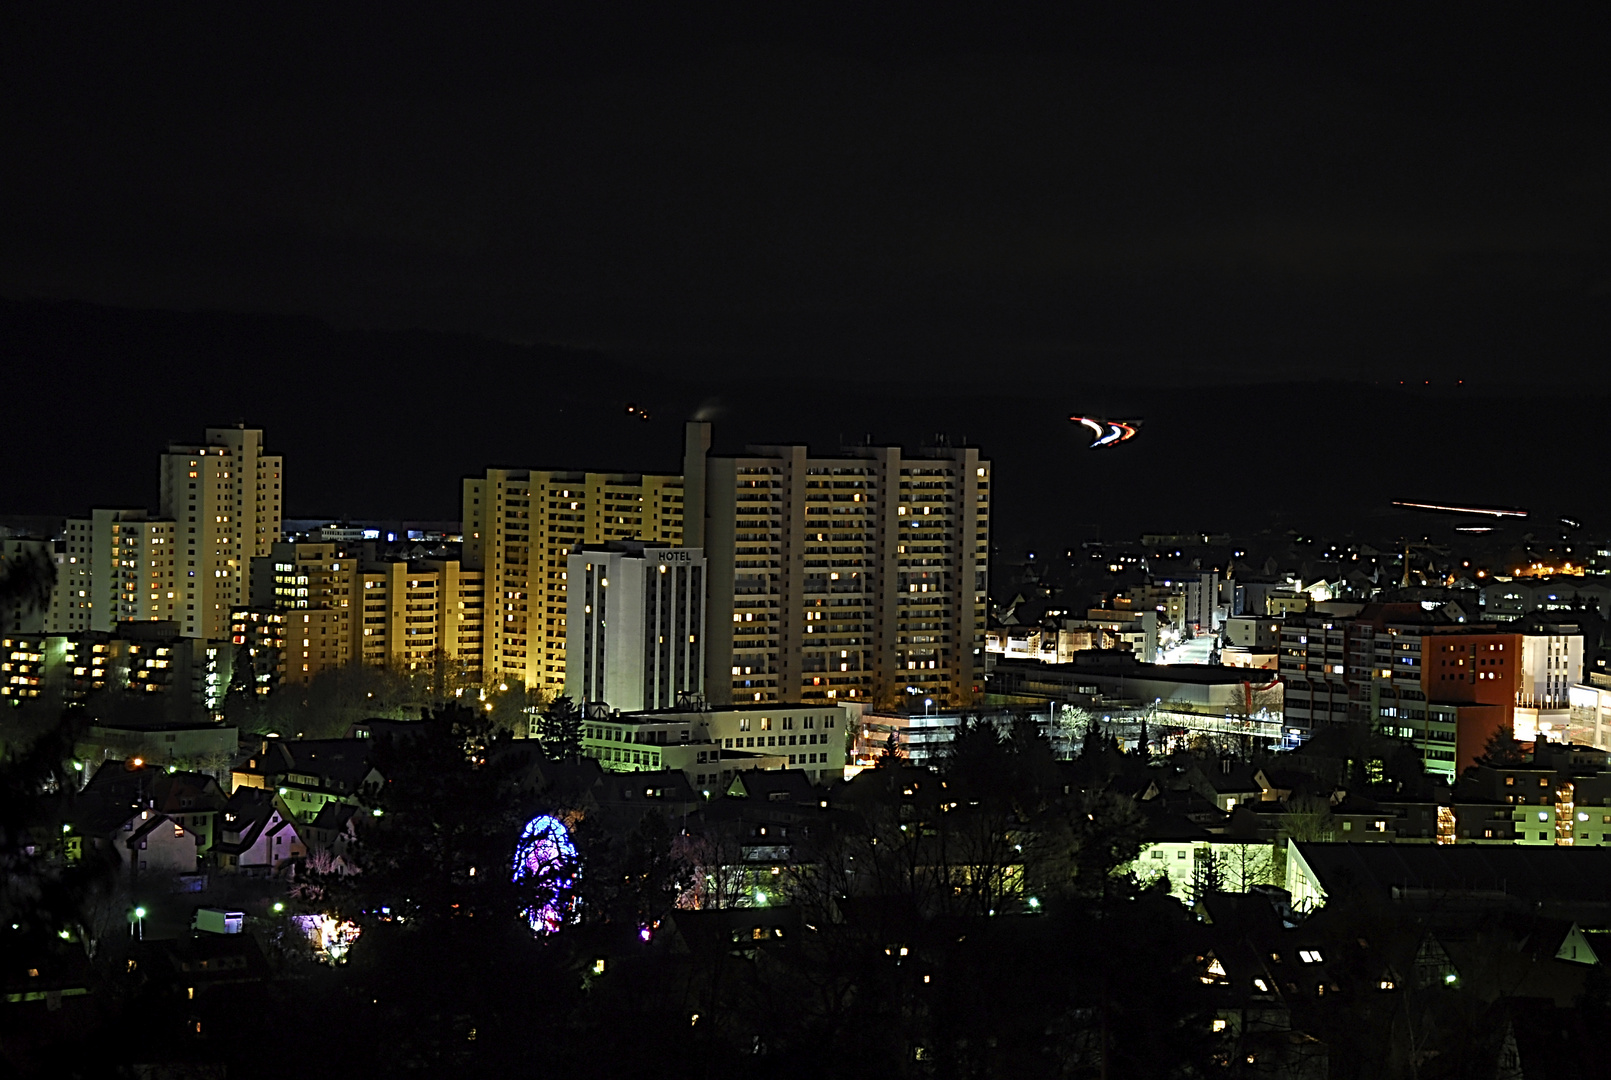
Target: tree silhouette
{"x":893,"y":753}
{"x":559,"y":729}
{"x":1502,"y":750}
{"x":26,"y":581}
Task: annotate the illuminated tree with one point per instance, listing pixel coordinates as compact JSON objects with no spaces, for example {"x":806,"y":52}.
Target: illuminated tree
{"x":713,"y":872}
{"x":546,"y":866}
{"x":893,"y":753}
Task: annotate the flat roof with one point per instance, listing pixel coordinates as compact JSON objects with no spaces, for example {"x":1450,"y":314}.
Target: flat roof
{"x":757,"y":706}
{"x":1533,"y":873}
{"x":1202,"y":674}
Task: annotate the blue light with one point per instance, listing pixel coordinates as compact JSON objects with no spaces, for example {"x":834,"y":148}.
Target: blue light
{"x":545,"y":863}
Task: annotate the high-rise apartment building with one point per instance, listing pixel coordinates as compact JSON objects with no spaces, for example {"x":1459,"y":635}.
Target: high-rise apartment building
{"x":637,"y":626}
{"x":118,"y":566}
{"x":224,"y":497}
{"x":862,"y":576}
{"x":520,"y":527}
{"x":314,"y":586}
{"x":334,"y":606}
{"x":423,"y":614}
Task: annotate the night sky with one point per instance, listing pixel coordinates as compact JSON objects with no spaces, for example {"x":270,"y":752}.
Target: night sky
{"x":690,"y":193}
{"x":1174,"y":196}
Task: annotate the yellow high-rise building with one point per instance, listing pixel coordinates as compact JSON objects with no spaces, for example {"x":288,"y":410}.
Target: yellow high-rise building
{"x":857,"y":577}
{"x":118,"y":566}
{"x":223,"y":496}
{"x":341,"y":607}
{"x":519,"y":527}
{"x":421,"y":615}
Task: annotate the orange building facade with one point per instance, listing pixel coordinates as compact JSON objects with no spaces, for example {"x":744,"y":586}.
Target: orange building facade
{"x":1447,"y":689}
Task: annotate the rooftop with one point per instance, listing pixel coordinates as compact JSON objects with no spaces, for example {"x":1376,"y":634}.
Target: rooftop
{"x":1540,"y":874}
{"x":649,"y":716}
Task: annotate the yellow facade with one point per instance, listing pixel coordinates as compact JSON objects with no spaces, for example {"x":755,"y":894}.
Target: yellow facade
{"x":421,"y":614}
{"x":519,"y":527}
{"x":341,"y":609}
{"x":223,"y":495}
{"x":860,"y":577}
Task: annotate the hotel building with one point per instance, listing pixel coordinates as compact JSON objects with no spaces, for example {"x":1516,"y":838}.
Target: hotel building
{"x":637,"y":627}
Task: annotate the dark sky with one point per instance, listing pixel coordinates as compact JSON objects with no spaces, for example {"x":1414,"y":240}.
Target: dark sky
{"x":1169,"y":197}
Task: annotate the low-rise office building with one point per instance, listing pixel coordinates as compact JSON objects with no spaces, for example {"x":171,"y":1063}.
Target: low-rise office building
{"x":710,"y":744}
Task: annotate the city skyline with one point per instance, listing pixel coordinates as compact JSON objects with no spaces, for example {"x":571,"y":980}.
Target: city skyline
{"x":893,"y":541}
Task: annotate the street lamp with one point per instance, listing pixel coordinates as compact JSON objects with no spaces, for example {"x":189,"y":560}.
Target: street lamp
{"x":928,"y":701}
{"x":137,"y":926}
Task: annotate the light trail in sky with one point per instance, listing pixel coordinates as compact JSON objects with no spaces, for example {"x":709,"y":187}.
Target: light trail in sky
{"x":1489,"y":511}
{"x":1107,"y":432}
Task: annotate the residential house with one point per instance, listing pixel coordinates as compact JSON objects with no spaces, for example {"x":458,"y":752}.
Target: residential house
{"x":308,"y":773}
{"x":257,"y":832}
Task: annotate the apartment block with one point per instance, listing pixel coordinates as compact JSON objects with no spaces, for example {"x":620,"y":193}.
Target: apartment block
{"x":333,"y":606}
{"x":1313,"y":660}
{"x":223,"y":496}
{"x":637,"y":627}
{"x":423,"y":614}
{"x":857,"y":577}
{"x":147,"y":659}
{"x":119,"y":566}
{"x":1560,"y":798}
{"x":259,"y":636}
{"x":1447,"y":689}
{"x":520,"y":527}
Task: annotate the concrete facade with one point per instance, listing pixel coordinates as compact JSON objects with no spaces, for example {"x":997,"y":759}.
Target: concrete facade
{"x":853,"y":577}
{"x":711,"y":744}
{"x":637,"y":627}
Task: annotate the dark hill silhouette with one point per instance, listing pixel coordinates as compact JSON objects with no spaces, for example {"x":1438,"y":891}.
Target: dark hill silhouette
{"x":384,"y":424}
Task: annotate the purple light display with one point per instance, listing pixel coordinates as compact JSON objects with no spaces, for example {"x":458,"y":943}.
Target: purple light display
{"x":545,"y":863}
